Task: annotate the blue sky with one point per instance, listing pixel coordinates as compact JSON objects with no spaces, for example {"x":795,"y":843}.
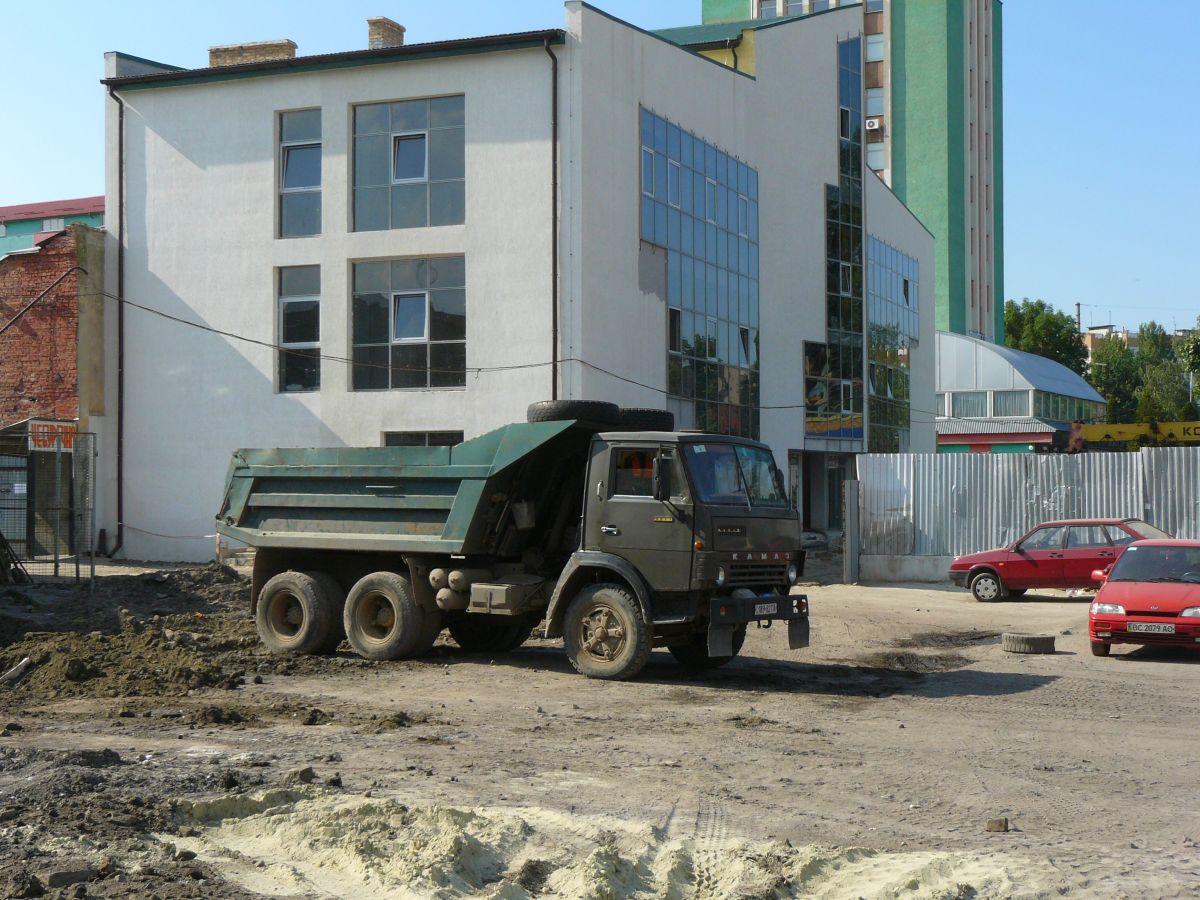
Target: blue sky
{"x":1099,"y":210}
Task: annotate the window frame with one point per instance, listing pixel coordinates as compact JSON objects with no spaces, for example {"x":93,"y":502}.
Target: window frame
{"x":869,"y":43}
{"x":398,"y":136}
{"x":283,"y":346}
{"x":392,"y":339}
{"x":284,"y":150}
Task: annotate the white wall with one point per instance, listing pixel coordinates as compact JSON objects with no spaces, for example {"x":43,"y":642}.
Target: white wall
{"x":890,"y":220}
{"x":201,"y":197}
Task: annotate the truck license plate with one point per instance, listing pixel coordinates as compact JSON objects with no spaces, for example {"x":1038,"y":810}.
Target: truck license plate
{"x":766,"y":609}
{"x":1152,"y":627}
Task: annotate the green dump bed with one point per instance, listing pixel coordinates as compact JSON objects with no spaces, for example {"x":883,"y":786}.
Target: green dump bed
{"x":442,"y":500}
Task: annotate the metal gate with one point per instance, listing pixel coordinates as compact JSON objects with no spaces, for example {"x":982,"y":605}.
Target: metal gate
{"x":47,"y":506}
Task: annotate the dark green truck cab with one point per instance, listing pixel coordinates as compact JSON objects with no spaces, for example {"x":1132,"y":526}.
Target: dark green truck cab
{"x":619,"y":541}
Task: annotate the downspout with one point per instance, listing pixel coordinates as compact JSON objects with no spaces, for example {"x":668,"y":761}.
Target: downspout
{"x":731,"y":46}
{"x":553,"y":220}
{"x":120,"y":323}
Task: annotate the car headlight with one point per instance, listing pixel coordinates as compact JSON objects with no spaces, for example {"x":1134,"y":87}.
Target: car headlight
{"x":792,"y":573}
{"x":1192,"y":612}
{"x":1108,"y":609}
{"x":721,"y":577}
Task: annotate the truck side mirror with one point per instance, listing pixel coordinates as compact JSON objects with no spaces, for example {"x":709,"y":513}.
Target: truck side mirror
{"x":662,"y":478}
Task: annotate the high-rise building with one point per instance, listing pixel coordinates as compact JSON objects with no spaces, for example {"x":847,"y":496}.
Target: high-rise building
{"x":934,"y":133}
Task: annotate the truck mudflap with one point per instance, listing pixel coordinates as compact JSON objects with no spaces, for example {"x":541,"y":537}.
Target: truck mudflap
{"x":730,"y":611}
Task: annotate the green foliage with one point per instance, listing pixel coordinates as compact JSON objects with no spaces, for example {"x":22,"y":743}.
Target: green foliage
{"x":1163,"y":396}
{"x":1116,"y":374}
{"x":1154,"y":344}
{"x":1036,"y":327}
{"x":1188,"y":350}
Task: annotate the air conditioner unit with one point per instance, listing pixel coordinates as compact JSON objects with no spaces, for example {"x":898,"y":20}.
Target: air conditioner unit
{"x":874,"y":125}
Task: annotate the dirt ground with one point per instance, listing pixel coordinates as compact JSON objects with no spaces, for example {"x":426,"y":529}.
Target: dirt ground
{"x":154,"y":750}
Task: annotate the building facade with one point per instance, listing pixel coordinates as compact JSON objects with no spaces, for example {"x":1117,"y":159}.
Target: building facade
{"x":933,"y":110}
{"x":24,"y":227}
{"x":409,"y":244}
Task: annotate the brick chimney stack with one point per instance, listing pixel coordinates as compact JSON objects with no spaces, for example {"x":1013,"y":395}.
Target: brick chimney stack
{"x":262,"y":51}
{"x":382,"y":33}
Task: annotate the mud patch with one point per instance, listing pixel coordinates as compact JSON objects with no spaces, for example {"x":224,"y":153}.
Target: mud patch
{"x":917,"y":663}
{"x":948,"y":639}
{"x":305,"y":841}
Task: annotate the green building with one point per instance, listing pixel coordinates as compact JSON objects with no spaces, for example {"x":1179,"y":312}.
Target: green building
{"x":932,"y":107}
{"x":22,"y":227}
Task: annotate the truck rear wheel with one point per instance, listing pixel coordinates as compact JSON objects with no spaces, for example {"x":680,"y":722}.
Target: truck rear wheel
{"x":694,"y":655}
{"x":294,"y":613}
{"x":335,"y":599}
{"x":490,"y":634}
{"x":605,"y":633}
{"x":382,"y":619}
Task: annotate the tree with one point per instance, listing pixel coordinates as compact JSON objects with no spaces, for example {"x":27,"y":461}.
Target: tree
{"x":1154,"y":344}
{"x":1163,"y":396}
{"x":1036,"y":327}
{"x":1116,"y":374}
{"x":1188,"y":350}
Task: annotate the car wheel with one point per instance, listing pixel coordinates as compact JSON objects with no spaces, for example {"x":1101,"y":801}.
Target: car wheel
{"x":1100,"y":648}
{"x":986,"y":587}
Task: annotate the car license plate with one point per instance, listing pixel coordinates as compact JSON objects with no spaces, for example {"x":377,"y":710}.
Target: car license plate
{"x":766,"y":609}
{"x":1151,"y":627}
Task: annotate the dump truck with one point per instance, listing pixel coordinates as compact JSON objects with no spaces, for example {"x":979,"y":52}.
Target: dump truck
{"x":619,"y":534}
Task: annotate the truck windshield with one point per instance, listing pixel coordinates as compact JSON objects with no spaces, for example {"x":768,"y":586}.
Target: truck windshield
{"x":732,"y":473}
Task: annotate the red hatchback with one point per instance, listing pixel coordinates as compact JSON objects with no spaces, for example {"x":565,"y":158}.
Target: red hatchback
{"x":1053,"y":555}
{"x":1151,"y":596}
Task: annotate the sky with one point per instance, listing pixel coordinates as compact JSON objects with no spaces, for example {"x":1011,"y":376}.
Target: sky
{"x":1097,"y":211}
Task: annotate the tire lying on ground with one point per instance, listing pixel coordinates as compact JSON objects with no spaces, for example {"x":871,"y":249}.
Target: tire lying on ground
{"x":295,"y":612}
{"x":1027,"y":643}
{"x":647,"y":419}
{"x":597,"y":411}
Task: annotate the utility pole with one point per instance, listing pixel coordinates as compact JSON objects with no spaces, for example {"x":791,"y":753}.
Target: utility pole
{"x":1078,"y":318}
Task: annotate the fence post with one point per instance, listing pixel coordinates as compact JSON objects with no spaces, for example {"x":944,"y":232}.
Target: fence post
{"x":851,"y":534}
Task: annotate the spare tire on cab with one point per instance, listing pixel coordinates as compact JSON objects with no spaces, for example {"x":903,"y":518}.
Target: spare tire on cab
{"x":647,"y":419}
{"x":596,"y":412}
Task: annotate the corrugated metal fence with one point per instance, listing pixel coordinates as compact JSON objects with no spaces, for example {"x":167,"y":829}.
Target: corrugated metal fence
{"x":947,"y":504}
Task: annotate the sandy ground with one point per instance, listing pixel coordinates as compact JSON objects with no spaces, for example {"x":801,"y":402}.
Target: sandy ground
{"x":867,"y":765}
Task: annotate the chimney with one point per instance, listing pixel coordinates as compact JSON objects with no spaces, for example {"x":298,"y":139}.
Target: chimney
{"x":382,"y":33}
{"x":240,"y":54}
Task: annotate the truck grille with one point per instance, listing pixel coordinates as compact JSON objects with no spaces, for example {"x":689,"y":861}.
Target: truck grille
{"x":757,"y":573}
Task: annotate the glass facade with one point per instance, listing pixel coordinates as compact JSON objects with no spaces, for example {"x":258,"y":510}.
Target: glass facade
{"x":409,"y":324}
{"x":893,"y":292}
{"x":409,"y":164}
{"x":700,"y":205}
{"x":834,"y":369}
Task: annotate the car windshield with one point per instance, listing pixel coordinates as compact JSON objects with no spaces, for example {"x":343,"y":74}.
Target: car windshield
{"x":1158,"y":564}
{"x":733,"y":473}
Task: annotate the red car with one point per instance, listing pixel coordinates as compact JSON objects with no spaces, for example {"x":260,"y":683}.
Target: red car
{"x":1151,"y":596}
{"x":1053,"y":555}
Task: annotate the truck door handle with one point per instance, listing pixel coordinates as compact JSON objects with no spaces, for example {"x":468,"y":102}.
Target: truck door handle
{"x":610,"y":529}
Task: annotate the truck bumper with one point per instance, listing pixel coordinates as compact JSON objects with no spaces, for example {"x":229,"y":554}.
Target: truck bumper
{"x":729,"y":612}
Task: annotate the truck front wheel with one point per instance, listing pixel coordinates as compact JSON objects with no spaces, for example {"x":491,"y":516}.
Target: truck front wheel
{"x":605,"y":633}
{"x":694,"y":654}
{"x":382,"y":619}
{"x":294,"y":613}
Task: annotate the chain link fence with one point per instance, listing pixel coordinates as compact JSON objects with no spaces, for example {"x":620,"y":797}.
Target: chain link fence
{"x":47,"y":507}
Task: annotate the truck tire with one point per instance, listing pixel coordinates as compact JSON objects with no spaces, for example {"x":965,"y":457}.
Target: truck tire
{"x":432,"y":624}
{"x":647,"y":420}
{"x":481,"y":633}
{"x":605,"y":634}
{"x":694,"y":655}
{"x":596,"y":411}
{"x":1013,"y":642}
{"x":293,"y":614}
{"x":382,"y":619}
{"x":335,"y":598}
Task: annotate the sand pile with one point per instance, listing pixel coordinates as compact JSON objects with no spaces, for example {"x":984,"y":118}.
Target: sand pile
{"x":325,"y":844}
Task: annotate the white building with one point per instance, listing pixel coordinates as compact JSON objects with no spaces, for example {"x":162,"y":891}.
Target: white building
{"x":435,"y":244}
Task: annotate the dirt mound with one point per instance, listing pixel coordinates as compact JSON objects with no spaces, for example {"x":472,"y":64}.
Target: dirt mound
{"x":948,"y":639}
{"x":915,"y":662}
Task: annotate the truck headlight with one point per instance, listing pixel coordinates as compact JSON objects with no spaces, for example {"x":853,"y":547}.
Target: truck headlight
{"x":721,"y":577}
{"x":1107,"y":609}
{"x":792,"y":573}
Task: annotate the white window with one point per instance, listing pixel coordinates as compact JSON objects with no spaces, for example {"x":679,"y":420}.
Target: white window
{"x":875,"y":101}
{"x":53,"y":225}
{"x":647,"y":171}
{"x":410,"y":158}
{"x":410,"y":318}
{"x":874,"y":48}
{"x":300,"y":173}
{"x":767,"y":9}
{"x":875,"y":156}
{"x":673,"y":170}
{"x":299,"y":328}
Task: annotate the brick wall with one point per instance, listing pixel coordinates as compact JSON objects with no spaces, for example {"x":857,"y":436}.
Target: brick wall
{"x":38,"y":355}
